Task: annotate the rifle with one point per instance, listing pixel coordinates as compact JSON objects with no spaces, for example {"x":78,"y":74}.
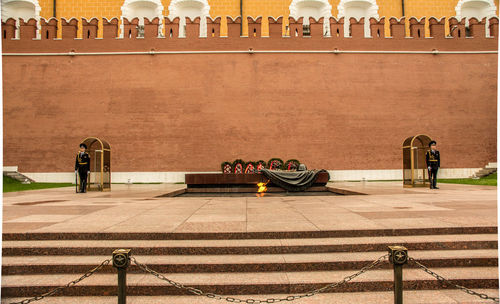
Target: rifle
{"x":76,"y":181}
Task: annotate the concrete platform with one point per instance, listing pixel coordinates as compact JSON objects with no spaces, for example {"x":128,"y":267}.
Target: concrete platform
{"x":136,"y":208}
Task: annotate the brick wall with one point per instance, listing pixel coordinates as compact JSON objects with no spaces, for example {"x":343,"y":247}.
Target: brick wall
{"x":187,"y":112}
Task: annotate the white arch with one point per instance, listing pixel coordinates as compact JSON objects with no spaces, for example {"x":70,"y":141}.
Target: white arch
{"x":191,"y":9}
{"x":478,"y":9}
{"x":142,"y":9}
{"x":312,"y":8}
{"x":357,"y":9}
{"x":25,"y":9}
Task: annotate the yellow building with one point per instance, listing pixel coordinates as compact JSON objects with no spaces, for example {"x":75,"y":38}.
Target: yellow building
{"x":297,"y":8}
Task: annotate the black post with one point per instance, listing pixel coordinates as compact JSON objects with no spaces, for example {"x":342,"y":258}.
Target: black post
{"x":54,"y":9}
{"x":121,"y":260}
{"x":398,"y":256}
{"x":241,"y":14}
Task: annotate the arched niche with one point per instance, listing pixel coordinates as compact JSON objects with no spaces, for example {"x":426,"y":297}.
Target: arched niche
{"x":312,"y":8}
{"x":357,"y":9}
{"x":191,"y":9}
{"x":415,"y":172}
{"x":476,"y":8}
{"x":143,"y":9}
{"x":25,"y":9}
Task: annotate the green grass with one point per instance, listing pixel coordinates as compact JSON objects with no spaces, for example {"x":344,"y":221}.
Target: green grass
{"x":11,"y":185}
{"x":490,"y":180}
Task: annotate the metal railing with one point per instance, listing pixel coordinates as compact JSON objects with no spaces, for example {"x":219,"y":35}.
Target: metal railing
{"x":397,"y":256}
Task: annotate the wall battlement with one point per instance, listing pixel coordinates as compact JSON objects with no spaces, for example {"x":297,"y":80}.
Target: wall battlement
{"x":48,"y":29}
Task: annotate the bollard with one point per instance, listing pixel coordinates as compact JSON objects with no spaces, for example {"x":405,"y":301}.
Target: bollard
{"x":398,"y":256}
{"x":121,"y":260}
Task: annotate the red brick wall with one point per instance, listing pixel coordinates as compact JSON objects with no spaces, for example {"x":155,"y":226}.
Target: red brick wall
{"x":191,"y":112}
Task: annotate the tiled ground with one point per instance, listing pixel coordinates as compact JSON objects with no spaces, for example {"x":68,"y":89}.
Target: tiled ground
{"x":135,"y":208}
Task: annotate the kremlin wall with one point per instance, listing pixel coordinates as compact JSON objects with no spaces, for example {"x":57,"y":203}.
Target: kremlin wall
{"x":171,"y":102}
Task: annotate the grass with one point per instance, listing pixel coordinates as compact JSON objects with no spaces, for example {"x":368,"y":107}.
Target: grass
{"x":490,"y":180}
{"x":11,"y":185}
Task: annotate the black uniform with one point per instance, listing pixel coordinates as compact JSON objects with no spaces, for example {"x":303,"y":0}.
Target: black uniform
{"x":82,"y":164}
{"x":433,"y":163}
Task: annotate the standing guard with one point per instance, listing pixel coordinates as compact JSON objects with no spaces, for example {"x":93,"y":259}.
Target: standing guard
{"x":82,"y":167}
{"x":433,"y":163}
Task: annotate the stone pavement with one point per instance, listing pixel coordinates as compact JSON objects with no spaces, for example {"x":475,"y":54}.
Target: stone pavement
{"x":135,"y":208}
{"x":266,"y":247}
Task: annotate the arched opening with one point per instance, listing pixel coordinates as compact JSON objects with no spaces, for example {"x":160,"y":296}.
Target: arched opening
{"x":191,"y":9}
{"x":357,"y":9}
{"x":99,"y":151}
{"x":143,"y":9}
{"x":476,"y":9}
{"x":25,"y":9}
{"x":312,"y":8}
{"x":415,"y":172}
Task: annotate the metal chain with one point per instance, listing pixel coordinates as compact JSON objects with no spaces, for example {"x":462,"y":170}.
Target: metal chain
{"x":448,"y":282}
{"x":199,"y":292}
{"x":70,"y":284}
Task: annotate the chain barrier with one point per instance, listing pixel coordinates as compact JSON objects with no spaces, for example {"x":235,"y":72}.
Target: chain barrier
{"x":448,"y":282}
{"x":215,"y":296}
{"x":70,"y":284}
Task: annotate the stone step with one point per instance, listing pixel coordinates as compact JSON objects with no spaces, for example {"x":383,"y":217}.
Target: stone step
{"x":447,"y":296}
{"x":18,"y":176}
{"x":250,"y":246}
{"x":244,"y":263}
{"x":248,"y":283}
{"x":491,"y":166}
{"x":248,"y":235}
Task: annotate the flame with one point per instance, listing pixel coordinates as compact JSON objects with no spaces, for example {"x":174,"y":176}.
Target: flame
{"x":262,"y":189}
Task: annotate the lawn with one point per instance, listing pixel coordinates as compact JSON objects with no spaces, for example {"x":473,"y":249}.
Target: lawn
{"x":11,"y":185}
{"x":490,"y":180}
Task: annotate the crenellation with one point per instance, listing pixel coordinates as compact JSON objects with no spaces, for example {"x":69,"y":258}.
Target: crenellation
{"x":477,"y":27}
{"x":9,"y":29}
{"x":337,"y":27}
{"x":130,"y":28}
{"x":437,"y":27}
{"x":457,"y":28}
{"x":397,"y":27}
{"x":89,"y":28}
{"x":275,"y":26}
{"x":417,"y":27}
{"x":28,"y":29}
{"x":377,"y":27}
{"x":316,"y":27}
{"x":110,"y":28}
{"x":233,"y":26}
{"x":493,"y":25}
{"x":357,"y":27}
{"x":295,"y":27}
{"x":213,"y":27}
{"x":69,"y":28}
{"x":254,"y":27}
{"x":151,"y":28}
{"x":171,"y":27}
{"x":193,"y":27}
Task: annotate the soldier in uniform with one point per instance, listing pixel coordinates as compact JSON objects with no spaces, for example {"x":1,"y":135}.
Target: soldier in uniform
{"x":82,"y":166}
{"x":433,"y":163}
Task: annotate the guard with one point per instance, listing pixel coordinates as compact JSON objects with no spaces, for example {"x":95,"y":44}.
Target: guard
{"x":82,"y":166}
{"x":433,"y":163}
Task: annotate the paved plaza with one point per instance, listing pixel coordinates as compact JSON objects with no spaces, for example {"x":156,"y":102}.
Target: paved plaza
{"x":251,"y":247}
{"x":136,"y":208}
